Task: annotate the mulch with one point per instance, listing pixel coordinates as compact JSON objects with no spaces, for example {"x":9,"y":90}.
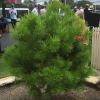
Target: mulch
{"x":20,"y":92}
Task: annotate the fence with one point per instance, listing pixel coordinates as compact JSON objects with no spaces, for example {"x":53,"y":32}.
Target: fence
{"x":95,"y":59}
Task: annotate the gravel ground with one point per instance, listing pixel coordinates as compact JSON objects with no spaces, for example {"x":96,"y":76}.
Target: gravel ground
{"x":20,"y":92}
{"x":14,"y":92}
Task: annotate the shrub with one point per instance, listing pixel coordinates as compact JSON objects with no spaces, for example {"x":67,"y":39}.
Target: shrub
{"x":46,"y":54}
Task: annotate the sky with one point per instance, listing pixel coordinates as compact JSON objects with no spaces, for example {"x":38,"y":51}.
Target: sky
{"x":22,"y":0}
{"x":95,"y":0}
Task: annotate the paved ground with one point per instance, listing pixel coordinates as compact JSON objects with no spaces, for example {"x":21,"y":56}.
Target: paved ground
{"x":6,"y":41}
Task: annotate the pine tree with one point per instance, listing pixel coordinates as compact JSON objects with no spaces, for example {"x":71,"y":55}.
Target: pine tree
{"x":47,"y":55}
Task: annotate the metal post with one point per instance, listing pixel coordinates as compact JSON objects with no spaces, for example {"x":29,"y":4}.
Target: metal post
{"x":65,"y":2}
{"x":95,"y":8}
{"x":3,"y":7}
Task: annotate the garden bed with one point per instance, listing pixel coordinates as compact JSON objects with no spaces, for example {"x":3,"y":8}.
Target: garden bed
{"x":20,"y":92}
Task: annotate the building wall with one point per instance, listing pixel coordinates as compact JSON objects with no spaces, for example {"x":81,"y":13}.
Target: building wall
{"x":11,"y":1}
{"x":14,"y":1}
{"x":18,"y":1}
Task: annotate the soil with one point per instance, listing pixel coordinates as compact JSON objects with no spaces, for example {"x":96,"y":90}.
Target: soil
{"x":20,"y":92}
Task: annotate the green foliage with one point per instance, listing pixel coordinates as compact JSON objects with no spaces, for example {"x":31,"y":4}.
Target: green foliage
{"x":46,"y":53}
{"x":69,"y":2}
{"x":82,"y":3}
{"x":4,"y":69}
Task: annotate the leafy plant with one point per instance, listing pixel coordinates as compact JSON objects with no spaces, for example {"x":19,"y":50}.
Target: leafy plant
{"x":46,"y":54}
